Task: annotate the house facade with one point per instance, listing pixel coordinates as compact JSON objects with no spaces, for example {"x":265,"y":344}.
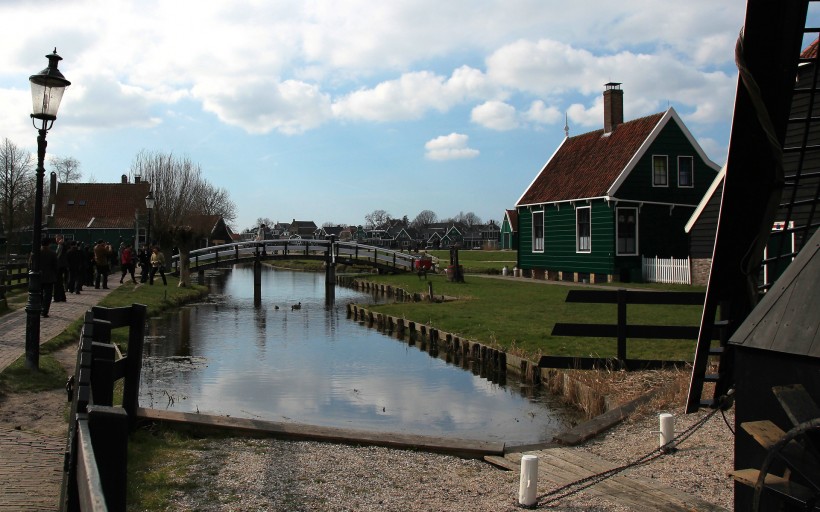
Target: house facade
{"x":508,"y":236}
{"x":87,"y":212}
{"x":608,"y":197}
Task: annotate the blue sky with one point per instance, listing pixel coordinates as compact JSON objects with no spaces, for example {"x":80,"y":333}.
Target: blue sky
{"x":328,"y":110}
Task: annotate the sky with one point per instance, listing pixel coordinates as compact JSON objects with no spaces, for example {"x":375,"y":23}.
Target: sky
{"x":327,"y":110}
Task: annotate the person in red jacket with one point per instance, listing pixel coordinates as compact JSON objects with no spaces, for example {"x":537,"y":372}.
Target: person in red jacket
{"x":127,"y":262}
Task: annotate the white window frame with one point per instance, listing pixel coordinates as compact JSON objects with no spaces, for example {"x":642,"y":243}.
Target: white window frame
{"x":618,"y":231}
{"x":666,"y":158}
{"x":535,"y":245}
{"x":691,"y":171}
{"x":578,"y":244}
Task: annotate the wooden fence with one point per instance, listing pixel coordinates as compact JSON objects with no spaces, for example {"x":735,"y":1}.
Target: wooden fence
{"x":666,"y":270}
{"x":622,"y":330}
{"x":96,"y":452}
{"x":12,"y":277}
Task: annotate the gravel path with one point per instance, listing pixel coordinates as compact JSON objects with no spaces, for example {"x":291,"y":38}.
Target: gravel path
{"x":264,"y":474}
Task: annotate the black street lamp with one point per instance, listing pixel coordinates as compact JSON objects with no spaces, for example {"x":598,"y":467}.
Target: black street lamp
{"x":47,"y":89}
{"x":149,"y":204}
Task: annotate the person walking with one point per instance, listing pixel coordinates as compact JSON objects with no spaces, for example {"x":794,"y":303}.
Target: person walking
{"x":127,"y":261}
{"x":62,"y":270}
{"x":48,"y":274}
{"x":144,"y":258}
{"x":157,"y":265}
{"x":102,"y":253}
{"x":76,"y":267}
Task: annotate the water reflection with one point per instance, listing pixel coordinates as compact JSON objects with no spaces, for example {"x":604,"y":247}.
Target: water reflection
{"x":313,"y":365}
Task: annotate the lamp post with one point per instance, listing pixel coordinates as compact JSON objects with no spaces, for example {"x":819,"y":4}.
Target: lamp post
{"x":47,"y":89}
{"x":149,"y":204}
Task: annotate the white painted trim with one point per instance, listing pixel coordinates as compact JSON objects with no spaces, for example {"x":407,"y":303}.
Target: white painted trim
{"x":637,"y":231}
{"x":670,"y":114}
{"x":705,"y":199}
{"x":518,"y":203}
{"x":692,"y":177}
{"x":577,"y":249}
{"x":543,"y":231}
{"x":652,"y":173}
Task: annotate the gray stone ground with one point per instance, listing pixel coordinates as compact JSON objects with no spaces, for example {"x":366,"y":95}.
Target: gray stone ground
{"x":31,"y":464}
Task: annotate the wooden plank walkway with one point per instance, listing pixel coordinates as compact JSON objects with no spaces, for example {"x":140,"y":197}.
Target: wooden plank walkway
{"x":560,"y":466}
{"x":460,"y":447}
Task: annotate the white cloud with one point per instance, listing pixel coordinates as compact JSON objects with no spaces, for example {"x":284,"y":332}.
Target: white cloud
{"x":449,"y":147}
{"x":539,"y":113}
{"x":412,"y":95}
{"x":495,"y":115}
{"x":290,"y":107}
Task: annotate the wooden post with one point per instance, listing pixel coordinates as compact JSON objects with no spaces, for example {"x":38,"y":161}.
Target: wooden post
{"x":109,"y":437}
{"x":102,"y":373}
{"x":622,"y":324}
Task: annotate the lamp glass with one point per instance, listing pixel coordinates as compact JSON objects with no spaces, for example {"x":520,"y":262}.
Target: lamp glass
{"x":45,"y":99}
{"x":149,"y":201}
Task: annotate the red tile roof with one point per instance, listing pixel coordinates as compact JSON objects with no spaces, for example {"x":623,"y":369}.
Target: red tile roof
{"x":512,"y":215}
{"x":586,"y":165}
{"x":810,"y":52}
{"x":98,"y":205}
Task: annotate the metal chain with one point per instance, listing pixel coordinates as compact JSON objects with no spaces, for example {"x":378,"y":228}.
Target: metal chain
{"x":584,"y":483}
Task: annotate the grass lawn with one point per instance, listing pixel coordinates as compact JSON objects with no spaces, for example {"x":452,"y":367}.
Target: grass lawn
{"x":518,"y":316}
{"x":475,"y":261}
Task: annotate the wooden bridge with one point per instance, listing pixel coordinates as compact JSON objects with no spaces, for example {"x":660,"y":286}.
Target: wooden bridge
{"x":330,"y":251}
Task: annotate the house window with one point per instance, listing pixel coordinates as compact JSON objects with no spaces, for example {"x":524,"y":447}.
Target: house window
{"x":685,"y":171}
{"x":583,"y":229}
{"x":537,"y":231}
{"x":627,"y":231}
{"x":660,"y":171}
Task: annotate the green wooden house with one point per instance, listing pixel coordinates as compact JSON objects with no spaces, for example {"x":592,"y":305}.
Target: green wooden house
{"x":508,"y":237}
{"x":608,"y":197}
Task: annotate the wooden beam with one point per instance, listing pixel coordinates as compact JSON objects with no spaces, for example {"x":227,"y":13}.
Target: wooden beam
{"x":262,"y":428}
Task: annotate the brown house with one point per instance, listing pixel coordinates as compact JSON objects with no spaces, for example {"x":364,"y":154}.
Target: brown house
{"x":88,"y":212}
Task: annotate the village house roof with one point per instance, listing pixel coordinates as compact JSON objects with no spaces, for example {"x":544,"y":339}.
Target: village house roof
{"x":512,"y":218}
{"x":98,"y":205}
{"x":584,"y":166}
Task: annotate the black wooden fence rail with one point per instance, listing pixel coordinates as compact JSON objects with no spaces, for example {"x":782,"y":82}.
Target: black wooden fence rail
{"x":622,"y":331}
{"x":13,"y":276}
{"x":94,"y":477}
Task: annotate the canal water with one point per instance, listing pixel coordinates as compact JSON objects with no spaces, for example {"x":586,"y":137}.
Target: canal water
{"x":313,"y":365}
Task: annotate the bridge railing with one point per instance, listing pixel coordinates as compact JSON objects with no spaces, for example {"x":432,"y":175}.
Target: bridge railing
{"x":331,"y":250}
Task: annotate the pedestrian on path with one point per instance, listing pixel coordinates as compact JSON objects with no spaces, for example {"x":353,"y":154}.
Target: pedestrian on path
{"x":128,"y":261}
{"x":102,"y":254}
{"x":157,"y":265}
{"x":76,"y":267}
{"x":48,"y":274}
{"x":62,"y":270}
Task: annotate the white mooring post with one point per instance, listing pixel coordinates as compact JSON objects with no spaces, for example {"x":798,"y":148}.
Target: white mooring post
{"x":528,"y":484}
{"x":667,"y":432}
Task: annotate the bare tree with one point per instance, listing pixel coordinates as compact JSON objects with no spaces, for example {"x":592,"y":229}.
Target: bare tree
{"x":67,"y":169}
{"x":424,"y":219}
{"x":469,"y":219}
{"x":180,"y":192}
{"x":377,"y":218}
{"x":16,"y":186}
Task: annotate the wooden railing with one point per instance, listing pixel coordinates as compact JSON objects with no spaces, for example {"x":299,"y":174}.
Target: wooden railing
{"x":96,"y":454}
{"x":621,"y":331}
{"x":13,"y":276}
{"x":327,"y":250}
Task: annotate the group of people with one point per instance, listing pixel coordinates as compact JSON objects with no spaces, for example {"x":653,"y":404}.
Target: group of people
{"x":73,"y":265}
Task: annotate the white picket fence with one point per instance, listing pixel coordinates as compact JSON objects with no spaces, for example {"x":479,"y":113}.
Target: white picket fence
{"x":666,"y":270}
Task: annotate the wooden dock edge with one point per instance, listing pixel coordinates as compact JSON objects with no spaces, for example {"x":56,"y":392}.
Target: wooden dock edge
{"x":294,"y":431}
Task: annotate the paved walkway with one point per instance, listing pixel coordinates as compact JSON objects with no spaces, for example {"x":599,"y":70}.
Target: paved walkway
{"x":31,"y":464}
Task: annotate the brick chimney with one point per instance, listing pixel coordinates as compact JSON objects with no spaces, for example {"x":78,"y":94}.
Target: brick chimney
{"x":613,"y":106}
